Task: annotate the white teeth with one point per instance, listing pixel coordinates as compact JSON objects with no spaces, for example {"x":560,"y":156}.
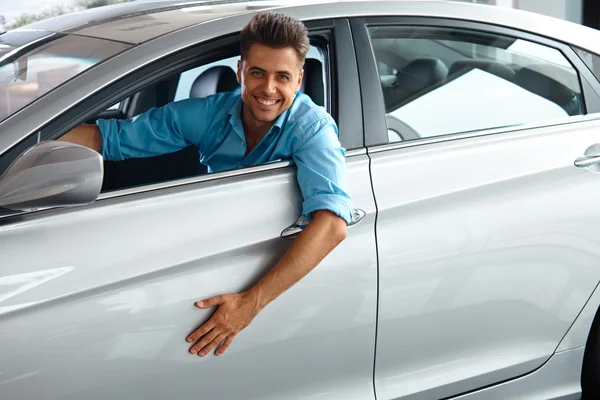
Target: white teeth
{"x":267,"y":102}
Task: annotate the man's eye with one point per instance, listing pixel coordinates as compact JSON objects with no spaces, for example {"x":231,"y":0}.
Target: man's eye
{"x":284,"y":77}
{"x":256,"y":73}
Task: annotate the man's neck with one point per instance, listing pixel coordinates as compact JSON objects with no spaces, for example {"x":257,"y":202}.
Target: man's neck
{"x":254,"y":130}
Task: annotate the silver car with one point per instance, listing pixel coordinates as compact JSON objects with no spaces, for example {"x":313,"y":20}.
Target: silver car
{"x":473,"y":157}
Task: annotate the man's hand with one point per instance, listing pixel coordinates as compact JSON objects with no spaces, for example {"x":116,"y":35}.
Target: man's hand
{"x":234,"y":313}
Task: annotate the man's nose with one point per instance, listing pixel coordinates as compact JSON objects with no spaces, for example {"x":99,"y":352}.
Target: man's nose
{"x":270,"y":86}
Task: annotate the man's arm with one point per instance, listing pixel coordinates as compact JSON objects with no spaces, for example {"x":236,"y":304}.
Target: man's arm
{"x":236,"y":311}
{"x":321,"y":174}
{"x":157,"y":131}
{"x":85,"y":135}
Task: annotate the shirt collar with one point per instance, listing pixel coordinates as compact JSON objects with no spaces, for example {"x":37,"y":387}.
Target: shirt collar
{"x":235,"y":113}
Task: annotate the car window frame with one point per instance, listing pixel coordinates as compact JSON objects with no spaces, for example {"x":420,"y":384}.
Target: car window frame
{"x":344,"y":101}
{"x":373,"y":103}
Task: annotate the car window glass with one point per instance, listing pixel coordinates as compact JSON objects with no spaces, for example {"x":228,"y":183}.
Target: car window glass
{"x":591,"y":60}
{"x":439,"y":81}
{"x":30,"y":70}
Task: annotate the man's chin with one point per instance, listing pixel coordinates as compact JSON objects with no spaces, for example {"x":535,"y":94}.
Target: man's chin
{"x":265,"y":117}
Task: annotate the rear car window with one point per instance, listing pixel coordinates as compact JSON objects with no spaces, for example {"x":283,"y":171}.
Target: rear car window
{"x":440,"y":81}
{"x":33,"y":63}
{"x":591,"y":60}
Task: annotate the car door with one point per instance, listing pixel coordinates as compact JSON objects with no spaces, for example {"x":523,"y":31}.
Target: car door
{"x":96,"y":301}
{"x":487,"y":232}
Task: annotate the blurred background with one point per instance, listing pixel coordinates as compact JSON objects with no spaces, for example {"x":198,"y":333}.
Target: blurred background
{"x":18,"y":13}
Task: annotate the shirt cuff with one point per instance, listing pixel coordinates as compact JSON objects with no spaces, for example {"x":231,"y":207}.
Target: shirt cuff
{"x":110,"y":139}
{"x":339,"y":205}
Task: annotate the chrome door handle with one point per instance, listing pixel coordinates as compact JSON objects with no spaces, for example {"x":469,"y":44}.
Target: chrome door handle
{"x":293,"y":230}
{"x":586,"y":161}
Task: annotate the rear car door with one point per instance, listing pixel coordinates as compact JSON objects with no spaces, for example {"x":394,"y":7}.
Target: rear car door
{"x":97,"y":300}
{"x":487,"y":231}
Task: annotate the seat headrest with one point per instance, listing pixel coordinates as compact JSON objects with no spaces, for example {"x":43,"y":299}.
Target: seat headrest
{"x":312,"y":83}
{"x":214,"y":80}
{"x":544,"y":86}
{"x":417,"y":75}
{"x":421,"y":73}
{"x":461,"y":67}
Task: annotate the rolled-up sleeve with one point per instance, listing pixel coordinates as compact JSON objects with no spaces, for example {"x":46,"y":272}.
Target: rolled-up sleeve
{"x":321,"y":172}
{"x":155,"y":132}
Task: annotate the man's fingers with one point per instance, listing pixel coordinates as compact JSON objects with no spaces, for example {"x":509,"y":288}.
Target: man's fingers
{"x":203,"y":330}
{"x":225,"y":345}
{"x":218,"y":339}
{"x":213,"y":301}
{"x":207,"y":339}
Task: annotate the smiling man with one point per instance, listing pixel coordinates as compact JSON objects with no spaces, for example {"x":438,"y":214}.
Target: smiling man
{"x":267,"y":119}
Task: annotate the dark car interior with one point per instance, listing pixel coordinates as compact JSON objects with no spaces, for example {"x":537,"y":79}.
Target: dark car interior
{"x":185,"y":162}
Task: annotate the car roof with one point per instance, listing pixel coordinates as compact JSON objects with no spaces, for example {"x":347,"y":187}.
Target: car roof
{"x":140,"y":21}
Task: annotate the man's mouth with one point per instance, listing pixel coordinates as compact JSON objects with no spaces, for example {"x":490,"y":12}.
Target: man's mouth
{"x":266,"y":102}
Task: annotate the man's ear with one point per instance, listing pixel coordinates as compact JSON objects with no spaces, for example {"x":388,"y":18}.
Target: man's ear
{"x":300,"y":77}
{"x":239,"y":71}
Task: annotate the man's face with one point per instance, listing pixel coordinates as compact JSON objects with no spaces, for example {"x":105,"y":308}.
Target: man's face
{"x":270,"y":79}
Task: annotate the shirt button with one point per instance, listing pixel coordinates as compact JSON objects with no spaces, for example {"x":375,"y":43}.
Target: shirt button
{"x":242,"y":142}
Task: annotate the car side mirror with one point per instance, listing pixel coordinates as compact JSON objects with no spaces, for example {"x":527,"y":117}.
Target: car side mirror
{"x":52,"y":174}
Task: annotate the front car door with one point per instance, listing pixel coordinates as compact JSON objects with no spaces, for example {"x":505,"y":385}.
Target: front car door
{"x":97,"y":300}
{"x":487,"y":232}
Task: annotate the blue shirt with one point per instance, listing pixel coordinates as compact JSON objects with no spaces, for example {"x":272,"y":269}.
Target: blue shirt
{"x":305,"y":133}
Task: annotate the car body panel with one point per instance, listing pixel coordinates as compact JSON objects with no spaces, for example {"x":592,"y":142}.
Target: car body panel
{"x":580,"y":330}
{"x":482,"y":269}
{"x":99,"y":300}
{"x":558,"y":379}
{"x":486,"y":259}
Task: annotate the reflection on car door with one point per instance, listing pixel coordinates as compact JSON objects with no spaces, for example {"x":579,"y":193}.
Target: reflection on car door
{"x":97,"y":301}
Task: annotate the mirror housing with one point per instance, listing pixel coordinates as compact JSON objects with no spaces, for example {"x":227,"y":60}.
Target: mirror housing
{"x":52,"y":174}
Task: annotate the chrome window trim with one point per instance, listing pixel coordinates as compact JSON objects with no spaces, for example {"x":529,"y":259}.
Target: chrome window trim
{"x":483,"y":132}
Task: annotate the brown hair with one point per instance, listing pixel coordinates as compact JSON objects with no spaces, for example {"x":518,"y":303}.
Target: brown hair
{"x":277,"y":30}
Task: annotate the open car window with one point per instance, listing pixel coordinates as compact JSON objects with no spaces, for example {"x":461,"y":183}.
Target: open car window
{"x":35,"y":63}
{"x":203,"y":80}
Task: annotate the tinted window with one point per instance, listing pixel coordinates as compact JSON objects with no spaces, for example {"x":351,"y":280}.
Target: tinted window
{"x":438,"y":81}
{"x":31,"y":69}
